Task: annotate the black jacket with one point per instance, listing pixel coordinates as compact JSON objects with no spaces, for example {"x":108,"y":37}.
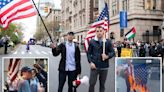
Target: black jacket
{"x":142,"y":52}
{"x":160,"y":50}
{"x":95,"y":51}
{"x":153,"y":51}
{"x":42,"y":77}
{"x":62,"y":49}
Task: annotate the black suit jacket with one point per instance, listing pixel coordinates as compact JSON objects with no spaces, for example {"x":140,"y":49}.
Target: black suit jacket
{"x":61,"y":49}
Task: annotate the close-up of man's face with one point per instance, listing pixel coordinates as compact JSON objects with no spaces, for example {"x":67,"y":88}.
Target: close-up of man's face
{"x":99,"y":32}
{"x":27,"y":75}
{"x":70,"y":37}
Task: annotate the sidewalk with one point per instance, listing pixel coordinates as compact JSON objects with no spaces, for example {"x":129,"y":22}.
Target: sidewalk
{"x":1,"y":50}
{"x":9,"y":49}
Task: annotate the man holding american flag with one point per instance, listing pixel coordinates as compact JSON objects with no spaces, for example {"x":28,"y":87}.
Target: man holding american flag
{"x":99,"y":50}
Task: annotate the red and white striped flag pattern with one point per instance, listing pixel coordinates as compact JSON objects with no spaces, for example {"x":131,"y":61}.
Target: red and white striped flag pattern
{"x":13,"y":68}
{"x":11,"y":10}
{"x":102,"y":20}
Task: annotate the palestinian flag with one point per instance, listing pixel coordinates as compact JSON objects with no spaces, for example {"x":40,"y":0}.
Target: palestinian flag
{"x":131,"y":34}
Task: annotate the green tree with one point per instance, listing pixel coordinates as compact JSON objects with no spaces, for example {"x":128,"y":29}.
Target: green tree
{"x":13,"y":31}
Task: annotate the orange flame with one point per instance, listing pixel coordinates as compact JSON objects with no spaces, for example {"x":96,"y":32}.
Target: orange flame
{"x":134,"y":86}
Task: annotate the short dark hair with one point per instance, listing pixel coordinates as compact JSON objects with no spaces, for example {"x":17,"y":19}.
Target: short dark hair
{"x":70,"y":33}
{"x":25,"y":69}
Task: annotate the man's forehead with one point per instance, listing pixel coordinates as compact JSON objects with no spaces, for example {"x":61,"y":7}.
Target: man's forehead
{"x":99,"y":28}
{"x":70,"y":35}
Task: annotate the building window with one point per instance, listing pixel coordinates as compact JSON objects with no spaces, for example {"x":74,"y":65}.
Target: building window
{"x":84,"y":19}
{"x":155,"y":29}
{"x":96,"y":3}
{"x":74,"y":23}
{"x":78,"y":38}
{"x":81,"y":4}
{"x":80,"y":20}
{"x":154,"y":4}
{"x":115,"y":7}
{"x":150,"y":4}
{"x":162,"y":6}
{"x":125,"y":5}
{"x":84,"y":3}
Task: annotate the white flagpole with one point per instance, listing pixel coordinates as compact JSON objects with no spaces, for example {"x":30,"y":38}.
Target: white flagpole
{"x":104,"y":40}
{"x":101,"y":7}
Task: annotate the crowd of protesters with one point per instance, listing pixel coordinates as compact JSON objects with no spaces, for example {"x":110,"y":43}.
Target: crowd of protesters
{"x":142,"y":49}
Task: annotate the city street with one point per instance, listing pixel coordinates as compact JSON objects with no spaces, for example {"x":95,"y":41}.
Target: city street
{"x":39,"y":51}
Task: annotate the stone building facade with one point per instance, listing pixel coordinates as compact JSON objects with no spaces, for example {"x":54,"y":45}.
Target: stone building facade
{"x":145,"y":15}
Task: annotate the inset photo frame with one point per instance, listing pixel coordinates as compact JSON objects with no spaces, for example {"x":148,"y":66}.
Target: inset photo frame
{"x":138,"y":74}
{"x":25,"y":74}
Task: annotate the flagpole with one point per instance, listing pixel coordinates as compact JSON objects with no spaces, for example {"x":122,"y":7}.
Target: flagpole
{"x":42,"y":21}
{"x":104,"y":43}
{"x":101,"y":6}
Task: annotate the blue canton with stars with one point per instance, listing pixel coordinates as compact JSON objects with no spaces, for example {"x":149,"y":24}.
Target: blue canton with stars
{"x":104,"y":14}
{"x":141,"y":74}
{"x":4,"y":2}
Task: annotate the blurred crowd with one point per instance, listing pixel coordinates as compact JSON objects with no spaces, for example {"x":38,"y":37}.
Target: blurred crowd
{"x":141,"y":49}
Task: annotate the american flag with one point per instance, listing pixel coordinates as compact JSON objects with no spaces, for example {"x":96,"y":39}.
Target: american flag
{"x":140,"y":74}
{"x":11,"y":10}
{"x":102,"y":20}
{"x":13,"y":68}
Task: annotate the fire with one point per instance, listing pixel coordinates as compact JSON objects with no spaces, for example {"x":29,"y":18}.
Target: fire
{"x":134,"y":86}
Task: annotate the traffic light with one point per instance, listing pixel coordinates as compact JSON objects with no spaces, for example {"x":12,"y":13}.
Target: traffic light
{"x":46,"y":9}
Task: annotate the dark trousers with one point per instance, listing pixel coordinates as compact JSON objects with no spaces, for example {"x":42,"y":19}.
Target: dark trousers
{"x":119,"y":53}
{"x":93,"y":78}
{"x":5,"y":50}
{"x":62,"y":79}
